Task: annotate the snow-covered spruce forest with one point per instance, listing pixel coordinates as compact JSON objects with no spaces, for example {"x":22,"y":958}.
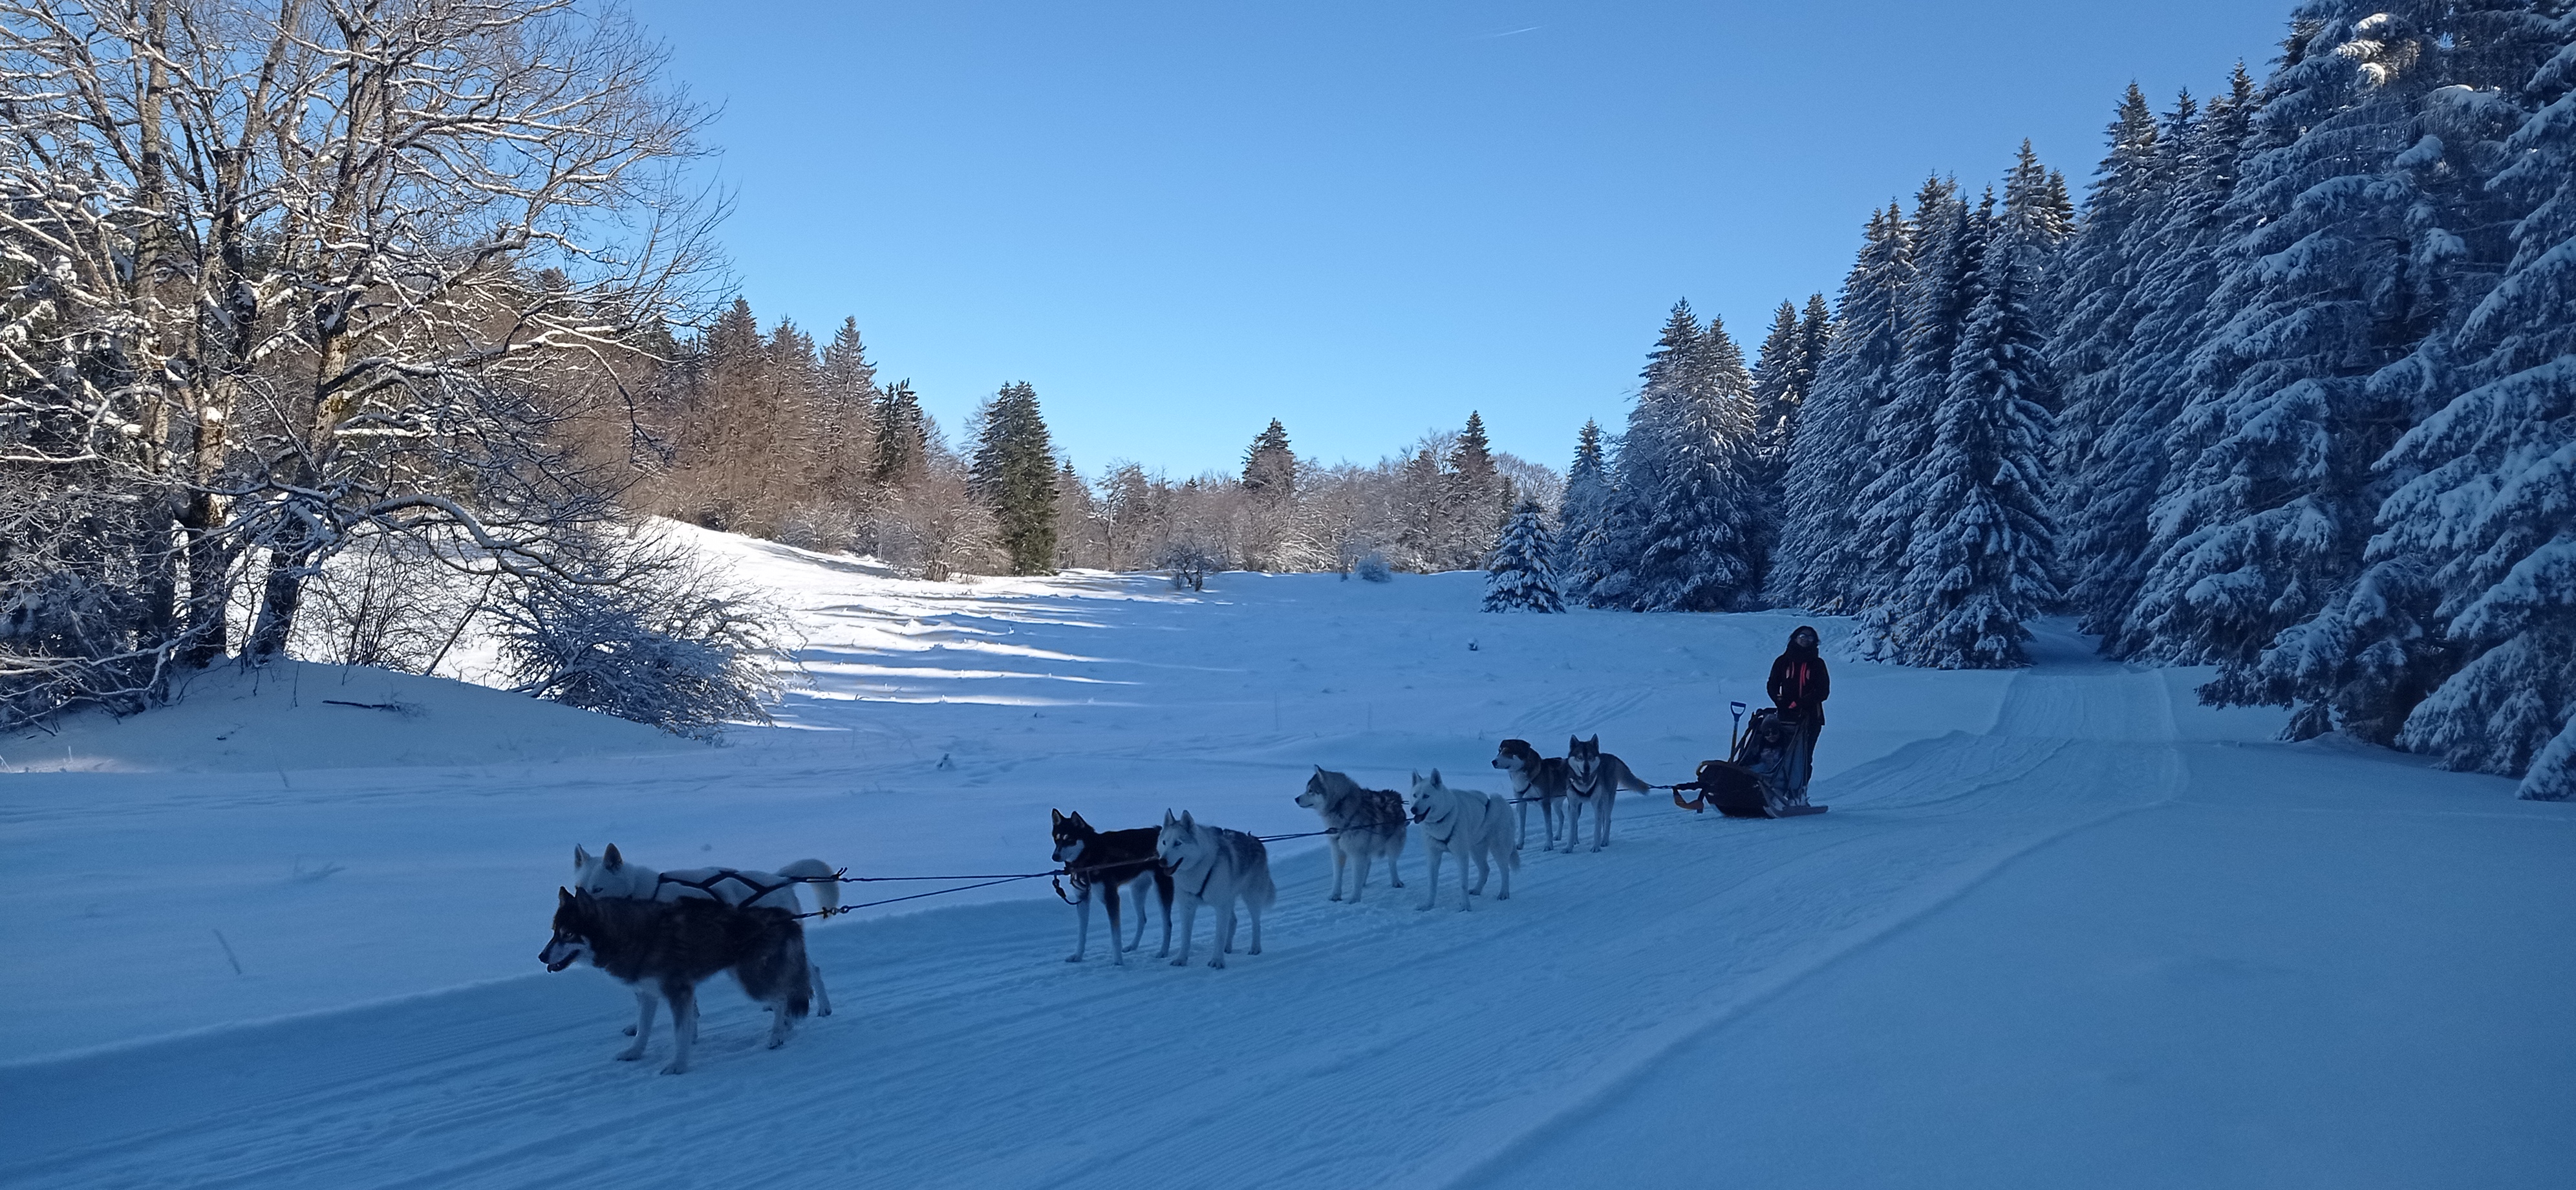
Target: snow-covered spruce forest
{"x":2290,"y":392}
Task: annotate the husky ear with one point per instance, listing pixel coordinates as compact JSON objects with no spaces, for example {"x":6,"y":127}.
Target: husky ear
{"x":563,"y":896}
{"x":610,"y":858}
{"x":580,"y":858}
{"x":1435,"y":776}
{"x":1188,"y":823}
{"x":1319,"y":770}
{"x":1056,"y":816}
{"x":1168,"y":820}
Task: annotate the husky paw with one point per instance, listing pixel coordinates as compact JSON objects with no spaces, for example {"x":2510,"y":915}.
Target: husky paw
{"x":1217,"y":962}
{"x":1075,"y":958}
{"x":628,"y":1031}
{"x":1182,"y":961}
{"x":1337,"y":896}
{"x":675,"y":1068}
{"x":1398,"y":884}
{"x":1423,"y":907}
{"x":630,"y":1053}
{"x":1255,"y":950}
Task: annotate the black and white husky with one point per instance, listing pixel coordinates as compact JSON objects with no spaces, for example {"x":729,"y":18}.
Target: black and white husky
{"x":665,"y":949}
{"x":1366,"y":824}
{"x":609,"y":874}
{"x":1476,"y":827}
{"x":1593,"y":779}
{"x":1109,"y":860}
{"x":1536,"y":779}
{"x":1211,"y":865}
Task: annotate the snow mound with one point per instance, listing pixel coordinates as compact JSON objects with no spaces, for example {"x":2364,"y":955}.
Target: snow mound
{"x":293,"y":716}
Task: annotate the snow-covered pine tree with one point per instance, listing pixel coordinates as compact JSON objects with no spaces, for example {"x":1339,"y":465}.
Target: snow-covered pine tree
{"x":2103,"y":531}
{"x":1781,"y":375}
{"x":2093,"y":310}
{"x":1815,"y":561}
{"x":1521,"y":575}
{"x":1581,"y":517}
{"x":2332,"y":301}
{"x":1937,"y":302}
{"x":1980,"y":555}
{"x":1014,"y":475}
{"x":1612,"y":558}
{"x":2491,"y":513}
{"x":2036,"y":219}
{"x":1701,"y":538}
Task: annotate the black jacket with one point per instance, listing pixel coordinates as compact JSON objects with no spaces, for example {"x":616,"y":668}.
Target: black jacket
{"x":1799,"y":684}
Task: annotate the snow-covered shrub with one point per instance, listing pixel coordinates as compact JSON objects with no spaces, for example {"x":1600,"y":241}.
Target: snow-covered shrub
{"x":1372,"y":568}
{"x":1521,"y":575}
{"x":669,"y":643}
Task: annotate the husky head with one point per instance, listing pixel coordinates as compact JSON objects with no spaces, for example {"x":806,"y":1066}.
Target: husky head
{"x":607,"y":874}
{"x":1072,"y":834}
{"x":1516,"y":756}
{"x":1583,"y":756}
{"x":576,"y":917}
{"x":1426,"y":790}
{"x":1179,"y":842}
{"x":1324,"y":787}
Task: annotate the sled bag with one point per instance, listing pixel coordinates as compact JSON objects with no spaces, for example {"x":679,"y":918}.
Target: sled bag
{"x":1733,"y":789}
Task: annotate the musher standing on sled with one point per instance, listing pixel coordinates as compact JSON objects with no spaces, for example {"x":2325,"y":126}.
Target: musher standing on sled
{"x":1799,"y":686}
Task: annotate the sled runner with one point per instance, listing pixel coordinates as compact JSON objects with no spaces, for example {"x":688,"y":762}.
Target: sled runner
{"x":1753,"y":782}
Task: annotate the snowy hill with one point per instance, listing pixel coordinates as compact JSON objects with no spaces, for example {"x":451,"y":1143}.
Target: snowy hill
{"x":295,"y":717}
{"x":2062,"y":927}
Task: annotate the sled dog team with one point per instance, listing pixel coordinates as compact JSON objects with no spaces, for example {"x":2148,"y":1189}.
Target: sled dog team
{"x":664,"y":933}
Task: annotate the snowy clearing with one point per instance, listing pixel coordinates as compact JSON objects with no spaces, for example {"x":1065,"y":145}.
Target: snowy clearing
{"x":2062,"y":927}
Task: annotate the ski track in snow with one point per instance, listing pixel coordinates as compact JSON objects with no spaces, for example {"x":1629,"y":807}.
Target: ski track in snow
{"x":1369,"y":1044}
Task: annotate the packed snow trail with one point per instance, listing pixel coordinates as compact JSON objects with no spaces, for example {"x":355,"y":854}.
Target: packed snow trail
{"x":2300,"y":973}
{"x":1370,"y":1044}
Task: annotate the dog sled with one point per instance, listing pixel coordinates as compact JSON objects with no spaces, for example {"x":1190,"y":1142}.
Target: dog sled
{"x":1760,"y":776}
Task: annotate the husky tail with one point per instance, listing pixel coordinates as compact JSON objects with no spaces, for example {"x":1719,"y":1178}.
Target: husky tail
{"x":827,"y":893}
{"x":1257,"y":887}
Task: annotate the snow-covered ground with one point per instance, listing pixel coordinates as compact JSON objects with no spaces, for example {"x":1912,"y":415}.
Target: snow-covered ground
{"x":2062,"y":926}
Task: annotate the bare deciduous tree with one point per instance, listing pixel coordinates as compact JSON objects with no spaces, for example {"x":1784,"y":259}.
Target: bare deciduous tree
{"x":275,"y":279}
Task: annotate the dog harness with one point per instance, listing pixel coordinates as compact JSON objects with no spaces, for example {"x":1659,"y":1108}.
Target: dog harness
{"x":707,"y":886}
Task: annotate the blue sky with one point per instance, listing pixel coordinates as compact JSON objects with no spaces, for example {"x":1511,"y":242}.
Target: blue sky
{"x":1181,"y":220}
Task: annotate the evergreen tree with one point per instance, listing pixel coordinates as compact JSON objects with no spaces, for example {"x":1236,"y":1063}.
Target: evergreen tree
{"x":2486,"y":524}
{"x":1700,"y":547}
{"x":1937,"y":302}
{"x":1780,"y":378}
{"x":1014,"y":474}
{"x":1583,"y":515}
{"x":847,"y":388}
{"x":903,"y":440}
{"x":1670,"y":371}
{"x":1980,"y":555}
{"x":1269,"y":466}
{"x":2137,"y":394}
{"x":1476,"y":497}
{"x":1816,"y":562}
{"x":1521,"y":576}
{"x":2332,"y":298}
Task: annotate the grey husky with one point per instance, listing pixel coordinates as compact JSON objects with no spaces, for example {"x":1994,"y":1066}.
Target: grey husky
{"x":1535,"y":778}
{"x":1476,"y":827}
{"x":1366,"y":824}
{"x":1211,"y":865}
{"x":665,"y":949}
{"x":1594,"y":778}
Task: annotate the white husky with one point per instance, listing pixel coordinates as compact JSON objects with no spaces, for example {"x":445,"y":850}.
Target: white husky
{"x":1476,"y":826}
{"x":1366,"y":824}
{"x":1211,"y":865}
